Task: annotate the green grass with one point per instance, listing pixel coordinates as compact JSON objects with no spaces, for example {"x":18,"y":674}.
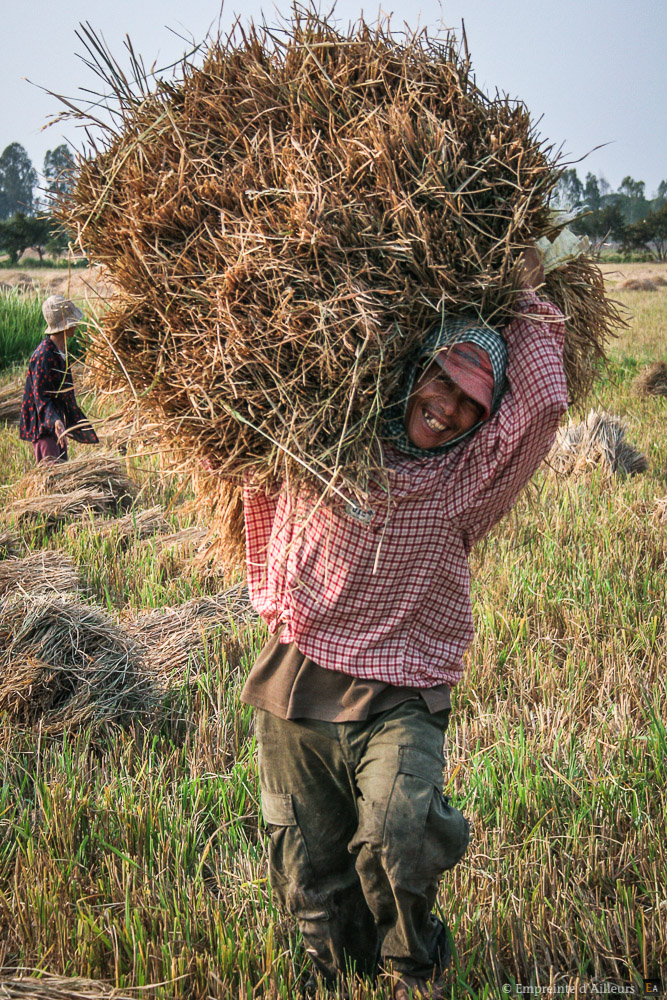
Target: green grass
{"x":21,"y":327}
{"x":136,"y":856}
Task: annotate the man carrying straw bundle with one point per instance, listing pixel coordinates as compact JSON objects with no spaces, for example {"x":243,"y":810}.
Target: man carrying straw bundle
{"x":49,"y":412}
{"x":371,"y":615}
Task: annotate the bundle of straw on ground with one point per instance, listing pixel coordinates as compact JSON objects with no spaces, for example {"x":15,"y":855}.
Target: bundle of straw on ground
{"x":136,"y":524}
{"x":92,"y":482}
{"x":11,"y":398}
{"x":48,"y":987}
{"x":652,"y":380}
{"x":55,"y":508}
{"x":39,"y":573}
{"x":65,"y":664}
{"x":10,"y":544}
{"x":598,"y":441}
{"x":285,"y":223}
{"x":660,"y":510}
{"x":171,"y":636}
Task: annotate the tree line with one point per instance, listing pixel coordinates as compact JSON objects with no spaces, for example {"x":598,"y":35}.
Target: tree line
{"x":26,"y":221}
{"x":625,"y":217}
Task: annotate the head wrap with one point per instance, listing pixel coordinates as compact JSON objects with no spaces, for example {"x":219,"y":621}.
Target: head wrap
{"x":452,"y":330}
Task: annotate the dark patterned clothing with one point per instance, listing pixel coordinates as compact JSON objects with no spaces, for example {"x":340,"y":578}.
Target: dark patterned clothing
{"x":49,"y":396}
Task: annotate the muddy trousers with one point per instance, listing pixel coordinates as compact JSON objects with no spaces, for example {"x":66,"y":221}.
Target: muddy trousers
{"x":361,"y":834}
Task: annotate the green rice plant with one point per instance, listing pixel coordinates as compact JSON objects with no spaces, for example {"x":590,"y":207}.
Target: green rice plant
{"x":21,"y":326}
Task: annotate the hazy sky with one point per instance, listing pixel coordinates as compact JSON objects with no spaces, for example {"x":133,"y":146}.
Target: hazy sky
{"x":595,"y":70}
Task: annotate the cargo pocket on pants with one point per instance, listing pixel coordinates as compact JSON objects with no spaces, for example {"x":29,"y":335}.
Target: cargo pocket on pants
{"x":290,"y":870}
{"x":424,"y":835}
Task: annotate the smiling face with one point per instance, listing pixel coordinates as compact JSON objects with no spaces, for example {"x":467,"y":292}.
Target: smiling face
{"x":438,"y":410}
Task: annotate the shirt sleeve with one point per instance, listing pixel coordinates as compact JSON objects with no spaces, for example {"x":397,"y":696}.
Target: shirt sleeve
{"x":507,"y":450}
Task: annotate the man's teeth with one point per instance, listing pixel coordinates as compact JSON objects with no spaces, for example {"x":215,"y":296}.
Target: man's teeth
{"x":434,"y":424}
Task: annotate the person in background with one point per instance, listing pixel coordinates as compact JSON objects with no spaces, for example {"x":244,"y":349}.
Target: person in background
{"x":49,"y":412}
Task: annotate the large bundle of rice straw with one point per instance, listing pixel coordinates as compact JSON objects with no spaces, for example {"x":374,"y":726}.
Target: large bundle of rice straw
{"x":40,"y":573}
{"x":92,"y":482}
{"x":597,"y":442}
{"x":283,"y":225}
{"x":66,"y":664}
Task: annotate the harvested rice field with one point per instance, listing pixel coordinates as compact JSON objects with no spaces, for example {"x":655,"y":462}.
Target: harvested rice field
{"x":132,"y":859}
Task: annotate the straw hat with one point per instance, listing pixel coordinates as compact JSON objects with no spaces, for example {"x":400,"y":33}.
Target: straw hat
{"x":60,"y":314}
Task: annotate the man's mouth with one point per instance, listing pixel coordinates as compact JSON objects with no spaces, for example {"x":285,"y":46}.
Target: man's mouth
{"x":433,"y":424}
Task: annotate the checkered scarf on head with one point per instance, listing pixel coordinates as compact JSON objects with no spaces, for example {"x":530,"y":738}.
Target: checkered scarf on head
{"x":452,"y":330}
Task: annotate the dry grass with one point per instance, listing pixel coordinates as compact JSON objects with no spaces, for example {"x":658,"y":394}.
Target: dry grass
{"x":57,"y":507}
{"x":39,"y":573}
{"x":652,"y":380}
{"x":660,"y":510}
{"x":598,"y":441}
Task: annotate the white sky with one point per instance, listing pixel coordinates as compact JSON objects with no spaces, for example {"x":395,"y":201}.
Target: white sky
{"x":595,"y":70}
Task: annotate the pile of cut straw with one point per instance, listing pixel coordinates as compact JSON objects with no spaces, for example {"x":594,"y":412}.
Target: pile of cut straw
{"x":652,"y":380}
{"x":60,"y":491}
{"x":171,"y":636}
{"x":598,"y":441}
{"x":48,"y":987}
{"x":136,"y":524}
{"x":11,"y":398}
{"x":41,"y":572}
{"x":66,"y":664}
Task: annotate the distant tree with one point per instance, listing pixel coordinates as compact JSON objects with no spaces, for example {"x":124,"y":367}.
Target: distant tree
{"x":58,"y":171}
{"x":605,"y":186}
{"x":649,"y":234}
{"x":662,"y":192}
{"x":607,"y":223}
{"x":23,"y":232}
{"x":592,"y":197}
{"x":18,"y":179}
{"x":15,"y":236}
{"x":569,"y":190}
{"x":632,"y":188}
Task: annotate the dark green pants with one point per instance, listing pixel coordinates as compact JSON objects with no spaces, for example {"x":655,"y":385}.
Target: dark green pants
{"x":361,"y":834}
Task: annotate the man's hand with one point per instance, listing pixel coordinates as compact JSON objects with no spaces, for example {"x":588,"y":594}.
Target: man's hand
{"x":532,"y":272}
{"x":60,"y":431}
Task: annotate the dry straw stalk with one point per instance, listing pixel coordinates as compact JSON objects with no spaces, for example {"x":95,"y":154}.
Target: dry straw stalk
{"x":285,"y":223}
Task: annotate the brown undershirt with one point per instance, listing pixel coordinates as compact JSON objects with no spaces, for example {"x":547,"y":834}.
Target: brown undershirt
{"x":290,"y":685}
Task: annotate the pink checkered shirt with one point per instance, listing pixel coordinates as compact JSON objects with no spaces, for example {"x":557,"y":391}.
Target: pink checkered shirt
{"x":390,"y":600}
